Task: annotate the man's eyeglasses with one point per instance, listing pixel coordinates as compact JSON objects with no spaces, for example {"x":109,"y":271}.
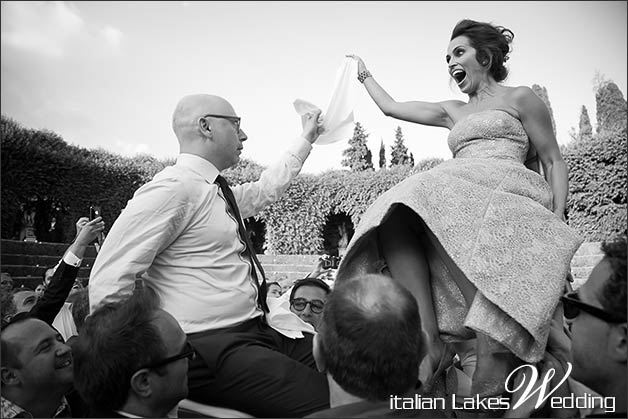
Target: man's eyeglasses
{"x":572,"y":306}
{"x":235,"y":120}
{"x":187,"y":352}
{"x":316,"y":306}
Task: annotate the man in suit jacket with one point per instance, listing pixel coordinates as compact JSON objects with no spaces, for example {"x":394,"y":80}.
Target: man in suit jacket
{"x":36,"y":366}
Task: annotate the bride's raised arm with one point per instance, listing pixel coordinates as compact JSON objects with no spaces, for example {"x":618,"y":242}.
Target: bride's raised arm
{"x":425,"y":113}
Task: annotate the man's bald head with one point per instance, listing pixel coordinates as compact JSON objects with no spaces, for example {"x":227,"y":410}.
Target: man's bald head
{"x":193,"y":107}
{"x":369,"y":339}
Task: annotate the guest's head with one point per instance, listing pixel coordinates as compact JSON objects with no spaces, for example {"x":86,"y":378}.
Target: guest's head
{"x":478,"y":48}
{"x":39,"y":289}
{"x":80,"y":308}
{"x":208,"y":126}
{"x":596,"y":314}
{"x":36,"y":363}
{"x":24,"y":299}
{"x":77,"y":287}
{"x":6,"y":282}
{"x":274,"y":290}
{"x":307,"y":299}
{"x":7,"y":306}
{"x":132,"y":356}
{"x":369,"y":340}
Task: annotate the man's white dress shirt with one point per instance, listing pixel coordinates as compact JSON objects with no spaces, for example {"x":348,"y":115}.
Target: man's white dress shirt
{"x":177,"y":234}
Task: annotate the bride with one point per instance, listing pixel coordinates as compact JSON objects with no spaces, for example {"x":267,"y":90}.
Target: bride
{"x":480,"y":240}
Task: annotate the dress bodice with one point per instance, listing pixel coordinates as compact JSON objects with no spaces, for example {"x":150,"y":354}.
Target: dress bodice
{"x":492,"y":133}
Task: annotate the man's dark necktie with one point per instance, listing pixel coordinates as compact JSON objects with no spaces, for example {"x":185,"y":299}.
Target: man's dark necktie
{"x":249,"y":251}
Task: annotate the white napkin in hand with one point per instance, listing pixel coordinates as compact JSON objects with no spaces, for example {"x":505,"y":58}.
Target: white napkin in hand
{"x":338,"y":120}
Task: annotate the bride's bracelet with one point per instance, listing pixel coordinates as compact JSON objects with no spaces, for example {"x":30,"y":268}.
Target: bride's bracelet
{"x":363,"y":75}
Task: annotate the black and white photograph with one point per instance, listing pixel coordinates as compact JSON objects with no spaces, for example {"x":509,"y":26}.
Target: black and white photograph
{"x":240,"y":209}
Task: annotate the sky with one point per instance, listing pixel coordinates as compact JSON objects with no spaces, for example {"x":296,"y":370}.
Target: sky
{"x":109,"y":74}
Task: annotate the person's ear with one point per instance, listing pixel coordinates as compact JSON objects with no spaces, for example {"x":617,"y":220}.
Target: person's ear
{"x":618,"y":341}
{"x":484,"y":58}
{"x":205,"y":127}
{"x":8,"y":376}
{"x":140,"y":383}
{"x":317,"y":352}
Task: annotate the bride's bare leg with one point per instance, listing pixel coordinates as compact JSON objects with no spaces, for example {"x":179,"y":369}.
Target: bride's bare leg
{"x":403,"y":250}
{"x":494,"y":361}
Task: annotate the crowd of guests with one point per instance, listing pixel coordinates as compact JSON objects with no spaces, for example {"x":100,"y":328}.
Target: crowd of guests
{"x":453,"y":285}
{"x":130,"y":358}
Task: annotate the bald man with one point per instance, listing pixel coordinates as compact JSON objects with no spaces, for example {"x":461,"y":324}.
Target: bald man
{"x":183,"y":234}
{"x":370,"y":345}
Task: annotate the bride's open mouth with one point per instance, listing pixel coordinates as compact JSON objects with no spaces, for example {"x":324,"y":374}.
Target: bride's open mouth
{"x":459,"y":75}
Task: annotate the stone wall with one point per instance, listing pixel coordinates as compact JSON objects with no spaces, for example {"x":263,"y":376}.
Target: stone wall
{"x":26,"y":262}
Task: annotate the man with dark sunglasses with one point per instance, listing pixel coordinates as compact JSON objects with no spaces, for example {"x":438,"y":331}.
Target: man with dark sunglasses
{"x":131,"y":359}
{"x":596,"y":315}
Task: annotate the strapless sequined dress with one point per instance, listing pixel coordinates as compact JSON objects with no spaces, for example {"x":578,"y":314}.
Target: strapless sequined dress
{"x":492,"y":222}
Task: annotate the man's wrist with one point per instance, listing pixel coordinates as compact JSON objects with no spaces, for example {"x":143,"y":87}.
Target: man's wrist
{"x":310,"y":137}
{"x":71,"y":259}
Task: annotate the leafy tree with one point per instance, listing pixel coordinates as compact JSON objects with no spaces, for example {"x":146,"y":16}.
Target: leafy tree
{"x":585,"y":130}
{"x":427,"y":163}
{"x":399,"y":151}
{"x":358,"y":157}
{"x":597,"y":171}
{"x":382,"y":155}
{"x":611,"y":108}
{"x":244,"y":171}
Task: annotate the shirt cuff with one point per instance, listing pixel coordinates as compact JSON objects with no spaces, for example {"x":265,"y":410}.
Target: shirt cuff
{"x":300,"y":148}
{"x":71,"y":259}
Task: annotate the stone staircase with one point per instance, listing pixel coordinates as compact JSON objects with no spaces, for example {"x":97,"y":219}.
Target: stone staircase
{"x":26,"y":262}
{"x":583,"y":262}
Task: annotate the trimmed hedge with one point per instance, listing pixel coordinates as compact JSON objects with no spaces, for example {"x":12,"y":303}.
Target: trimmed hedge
{"x":40,"y":166}
{"x":597,"y":185}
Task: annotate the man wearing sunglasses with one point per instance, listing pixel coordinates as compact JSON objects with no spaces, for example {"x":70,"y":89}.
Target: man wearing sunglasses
{"x":131,"y":359}
{"x":307,"y":300}
{"x":596,"y":316}
{"x":183,"y":233}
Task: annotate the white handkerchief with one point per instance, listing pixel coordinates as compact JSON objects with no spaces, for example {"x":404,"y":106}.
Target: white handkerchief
{"x":285,"y":321}
{"x":338,"y":120}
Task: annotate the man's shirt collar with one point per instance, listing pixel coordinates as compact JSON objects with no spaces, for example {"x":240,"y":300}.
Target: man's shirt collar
{"x":198,"y":165}
{"x":12,"y":410}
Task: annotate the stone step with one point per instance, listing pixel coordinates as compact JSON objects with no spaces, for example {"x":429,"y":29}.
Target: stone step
{"x":586,"y":261}
{"x":37,"y":260}
{"x":589,"y":248}
{"x":36,"y":271}
{"x":309,"y":260}
{"x":32,"y":282}
{"x":16,"y":247}
{"x":581,"y":272}
{"x":286,"y":268}
{"x":286,"y":279}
